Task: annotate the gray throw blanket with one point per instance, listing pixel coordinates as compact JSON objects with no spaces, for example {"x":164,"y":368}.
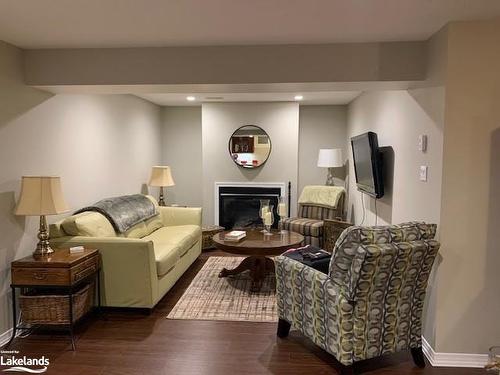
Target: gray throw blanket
{"x":124,"y":212}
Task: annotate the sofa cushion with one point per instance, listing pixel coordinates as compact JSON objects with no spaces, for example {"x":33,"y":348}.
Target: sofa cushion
{"x":171,"y":243}
{"x":166,"y":257}
{"x":88,"y":224}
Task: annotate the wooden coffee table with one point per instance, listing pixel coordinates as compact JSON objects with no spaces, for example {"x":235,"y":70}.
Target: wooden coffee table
{"x":258,"y":247}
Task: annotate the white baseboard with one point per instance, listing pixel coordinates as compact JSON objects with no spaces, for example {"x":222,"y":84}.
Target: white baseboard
{"x":453,"y":359}
{"x":5,"y":337}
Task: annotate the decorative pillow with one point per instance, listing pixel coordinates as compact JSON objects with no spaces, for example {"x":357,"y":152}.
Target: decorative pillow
{"x":137,"y":231}
{"x":153,"y":224}
{"x":88,"y":224}
{"x":155,"y":202}
{"x":56,"y":230}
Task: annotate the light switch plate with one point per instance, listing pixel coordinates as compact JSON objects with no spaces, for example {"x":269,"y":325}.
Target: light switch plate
{"x":423,"y":173}
{"x":422,"y":143}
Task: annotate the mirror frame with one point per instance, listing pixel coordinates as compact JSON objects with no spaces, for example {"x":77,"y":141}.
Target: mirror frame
{"x":249,"y":166}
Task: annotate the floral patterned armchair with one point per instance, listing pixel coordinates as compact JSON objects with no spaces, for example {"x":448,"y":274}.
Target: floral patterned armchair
{"x":370,"y":303}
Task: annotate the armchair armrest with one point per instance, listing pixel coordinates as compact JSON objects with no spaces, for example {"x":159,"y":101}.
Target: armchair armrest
{"x":310,"y":302}
{"x":180,"y":215}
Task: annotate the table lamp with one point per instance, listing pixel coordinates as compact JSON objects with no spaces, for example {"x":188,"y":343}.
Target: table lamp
{"x":330,"y":158}
{"x":41,"y":196}
{"x":161,"y":176}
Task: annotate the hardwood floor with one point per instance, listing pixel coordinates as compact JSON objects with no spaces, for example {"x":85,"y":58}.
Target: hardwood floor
{"x":128,"y":342}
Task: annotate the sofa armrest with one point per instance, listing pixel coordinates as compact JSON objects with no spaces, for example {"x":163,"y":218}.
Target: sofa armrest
{"x":128,"y":269}
{"x":180,"y":216}
{"x":310,"y":302}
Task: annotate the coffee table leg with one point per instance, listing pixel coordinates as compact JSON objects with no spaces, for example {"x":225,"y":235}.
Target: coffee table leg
{"x":259,"y":267}
{"x":258,"y":273}
{"x":263,"y":267}
{"x":246,"y":264}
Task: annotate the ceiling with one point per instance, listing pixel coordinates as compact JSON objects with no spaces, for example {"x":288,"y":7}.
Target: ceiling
{"x":309,"y":98}
{"x":137,"y":23}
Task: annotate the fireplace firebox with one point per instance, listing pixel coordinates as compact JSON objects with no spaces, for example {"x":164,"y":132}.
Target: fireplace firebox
{"x":239,"y":206}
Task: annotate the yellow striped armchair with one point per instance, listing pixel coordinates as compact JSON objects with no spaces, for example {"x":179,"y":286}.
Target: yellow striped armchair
{"x":316,"y":204}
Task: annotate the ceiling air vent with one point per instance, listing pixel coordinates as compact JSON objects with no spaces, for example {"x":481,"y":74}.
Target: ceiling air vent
{"x":214,"y":98}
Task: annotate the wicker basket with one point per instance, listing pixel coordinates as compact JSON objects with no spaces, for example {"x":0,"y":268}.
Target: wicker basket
{"x":207,"y":234}
{"x":37,"y":308}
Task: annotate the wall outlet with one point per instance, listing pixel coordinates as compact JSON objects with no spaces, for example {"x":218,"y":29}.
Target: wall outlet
{"x":423,"y":173}
{"x":422,"y":143}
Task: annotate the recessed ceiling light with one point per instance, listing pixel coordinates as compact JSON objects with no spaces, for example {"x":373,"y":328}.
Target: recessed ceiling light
{"x":190,"y":98}
{"x":298,"y":97}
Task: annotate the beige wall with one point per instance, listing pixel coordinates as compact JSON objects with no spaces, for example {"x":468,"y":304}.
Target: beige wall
{"x":100,"y":145}
{"x":460,"y":101}
{"x":219,"y":121}
{"x":468,"y":302}
{"x":398,"y":119}
{"x":321,"y":126}
{"x":181,"y":149}
{"x":430,"y":94}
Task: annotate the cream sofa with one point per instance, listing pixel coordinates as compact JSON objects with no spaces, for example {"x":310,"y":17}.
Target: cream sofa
{"x":140,"y":266}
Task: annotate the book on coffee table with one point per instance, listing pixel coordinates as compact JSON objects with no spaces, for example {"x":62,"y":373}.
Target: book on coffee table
{"x":235,"y":235}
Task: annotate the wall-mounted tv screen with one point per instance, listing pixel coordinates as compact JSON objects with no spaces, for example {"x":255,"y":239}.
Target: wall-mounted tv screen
{"x":368,"y":164}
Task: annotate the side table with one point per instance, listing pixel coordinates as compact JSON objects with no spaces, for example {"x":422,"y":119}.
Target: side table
{"x":332,"y":229}
{"x":207,"y":233}
{"x":61,"y":270}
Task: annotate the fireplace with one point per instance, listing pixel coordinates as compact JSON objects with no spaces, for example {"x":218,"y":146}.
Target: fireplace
{"x":237,"y":206}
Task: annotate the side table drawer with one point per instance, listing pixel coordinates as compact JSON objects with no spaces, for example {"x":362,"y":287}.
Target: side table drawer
{"x":85,"y":269}
{"x":40,"y":276}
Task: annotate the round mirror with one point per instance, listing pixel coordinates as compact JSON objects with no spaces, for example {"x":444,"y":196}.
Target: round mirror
{"x":250,"y":146}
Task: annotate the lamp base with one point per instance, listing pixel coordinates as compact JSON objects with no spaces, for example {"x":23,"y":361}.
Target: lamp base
{"x":161,"y":201}
{"x":329,"y":178}
{"x":43,"y":246}
{"x":42,"y":250}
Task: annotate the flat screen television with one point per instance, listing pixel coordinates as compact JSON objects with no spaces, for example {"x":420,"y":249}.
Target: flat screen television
{"x":368,"y":164}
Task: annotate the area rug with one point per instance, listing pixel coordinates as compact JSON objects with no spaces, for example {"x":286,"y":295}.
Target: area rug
{"x":212,"y":298}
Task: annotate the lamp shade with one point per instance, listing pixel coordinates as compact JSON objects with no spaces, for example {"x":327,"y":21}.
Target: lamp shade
{"x":161,"y":176}
{"x":41,"y":195}
{"x":330,"y":158}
